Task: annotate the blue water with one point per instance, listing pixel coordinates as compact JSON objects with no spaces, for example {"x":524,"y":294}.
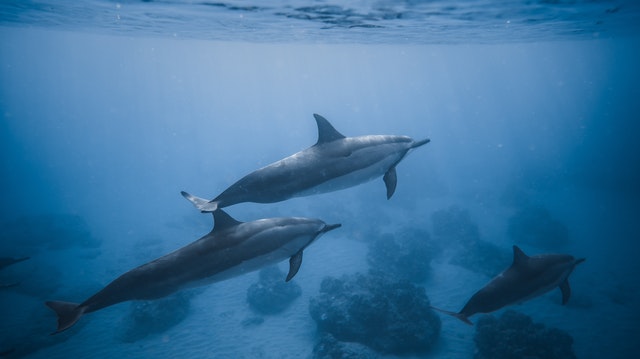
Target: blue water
{"x":110,"y":109}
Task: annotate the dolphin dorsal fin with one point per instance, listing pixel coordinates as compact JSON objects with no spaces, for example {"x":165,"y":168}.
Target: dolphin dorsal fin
{"x":221,"y":220}
{"x":519,"y":256}
{"x":326,"y":132}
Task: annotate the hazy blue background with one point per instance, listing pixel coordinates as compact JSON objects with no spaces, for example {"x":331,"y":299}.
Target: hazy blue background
{"x":111,"y":125}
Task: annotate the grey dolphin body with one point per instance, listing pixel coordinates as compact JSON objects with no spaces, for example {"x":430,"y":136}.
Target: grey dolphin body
{"x":528,"y":277}
{"x":232,"y":248}
{"x":335,"y":162}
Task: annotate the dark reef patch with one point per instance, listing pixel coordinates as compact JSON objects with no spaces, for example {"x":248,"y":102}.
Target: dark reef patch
{"x":456,"y":232}
{"x":514,"y":335}
{"x":391,"y":317}
{"x":483,"y":257}
{"x":534,"y":225}
{"x":404,"y":255}
{"x":329,"y":347}
{"x":454,"y":226}
{"x":271,"y":294}
{"x":151,"y":317}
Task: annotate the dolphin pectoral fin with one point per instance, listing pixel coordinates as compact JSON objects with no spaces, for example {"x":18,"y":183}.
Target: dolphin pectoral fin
{"x":202,"y":204}
{"x":566,"y":291}
{"x":460,"y":316}
{"x":68,"y":314}
{"x":390,"y":181}
{"x":294,"y":265}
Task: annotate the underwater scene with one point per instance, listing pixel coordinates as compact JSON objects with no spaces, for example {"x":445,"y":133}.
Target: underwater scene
{"x":320,"y":179}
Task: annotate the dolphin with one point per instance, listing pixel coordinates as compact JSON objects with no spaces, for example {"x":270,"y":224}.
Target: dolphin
{"x":527,"y":278}
{"x":7,"y":261}
{"x":335,"y":162}
{"x":231,"y":249}
{"x":9,"y":285}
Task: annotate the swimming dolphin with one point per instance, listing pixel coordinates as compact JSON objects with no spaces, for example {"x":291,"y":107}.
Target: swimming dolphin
{"x":7,"y":261}
{"x":232,"y":248}
{"x":526,"y":278}
{"x":335,"y":162}
{"x":9,"y":285}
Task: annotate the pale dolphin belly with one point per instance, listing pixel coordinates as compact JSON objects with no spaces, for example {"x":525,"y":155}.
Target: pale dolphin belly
{"x":249,"y":265}
{"x":356,"y":177}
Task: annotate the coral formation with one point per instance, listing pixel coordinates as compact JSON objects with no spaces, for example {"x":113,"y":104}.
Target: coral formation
{"x":405,"y":255}
{"x":389,"y":317}
{"x":482,"y":257}
{"x":330,"y":348}
{"x":156,"y":316}
{"x":535,"y":226}
{"x":271,"y":294}
{"x":514,"y":335}
{"x":455,"y":228}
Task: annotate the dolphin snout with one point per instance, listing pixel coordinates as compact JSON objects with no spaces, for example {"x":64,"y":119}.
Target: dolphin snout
{"x":420,"y":143}
{"x":330,"y":227}
{"x":579,"y":260}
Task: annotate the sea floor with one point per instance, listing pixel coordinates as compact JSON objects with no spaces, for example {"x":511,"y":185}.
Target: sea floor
{"x":216,"y":326}
{"x":602,"y":315}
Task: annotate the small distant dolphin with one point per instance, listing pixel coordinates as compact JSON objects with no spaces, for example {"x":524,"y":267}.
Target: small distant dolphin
{"x":7,"y":261}
{"x":335,"y":162}
{"x":7,"y":352}
{"x":9,"y":285}
{"x":526,"y":278}
{"x":231,"y":249}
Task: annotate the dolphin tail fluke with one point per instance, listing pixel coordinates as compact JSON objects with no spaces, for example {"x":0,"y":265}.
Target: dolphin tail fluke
{"x":460,"y":316}
{"x":420,"y":143}
{"x":202,"y":204}
{"x":68,"y":314}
